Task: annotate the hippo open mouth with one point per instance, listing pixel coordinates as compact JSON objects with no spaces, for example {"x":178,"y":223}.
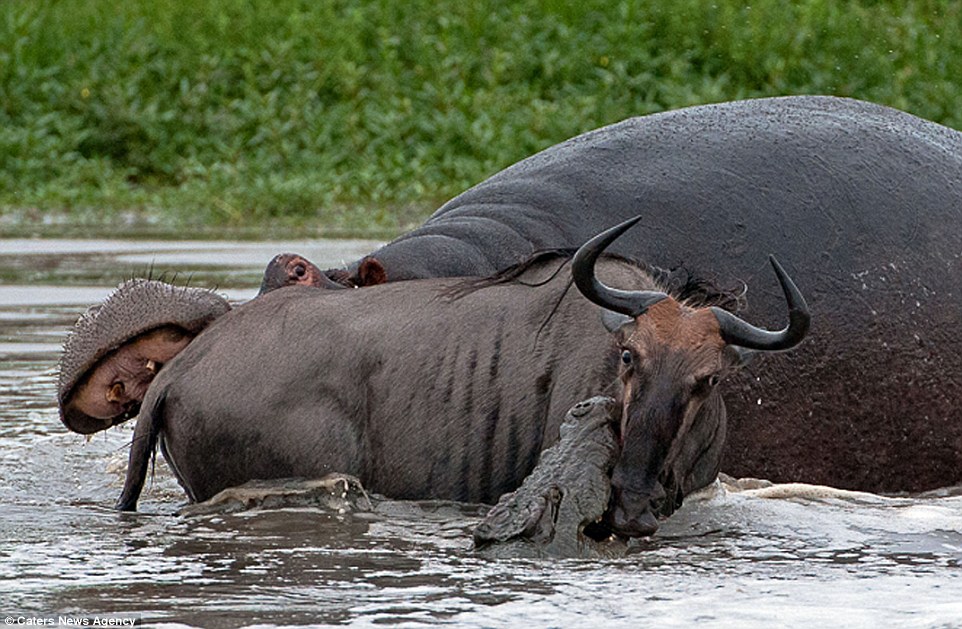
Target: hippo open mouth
{"x":115,"y":349}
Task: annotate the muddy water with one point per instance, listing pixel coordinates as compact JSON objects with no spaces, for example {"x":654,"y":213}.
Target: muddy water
{"x":726,"y":559}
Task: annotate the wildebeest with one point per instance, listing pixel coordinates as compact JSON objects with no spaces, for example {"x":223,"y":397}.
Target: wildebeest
{"x":861,"y":203}
{"x":426,"y":396}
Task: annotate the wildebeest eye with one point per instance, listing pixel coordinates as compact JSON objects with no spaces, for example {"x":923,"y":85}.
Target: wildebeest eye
{"x":704,"y":386}
{"x":626,"y":357}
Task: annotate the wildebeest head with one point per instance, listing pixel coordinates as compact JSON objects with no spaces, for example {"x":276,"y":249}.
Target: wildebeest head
{"x":672,"y":357}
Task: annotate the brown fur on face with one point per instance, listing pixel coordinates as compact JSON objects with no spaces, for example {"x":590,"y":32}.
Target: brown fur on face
{"x":678,"y":343}
{"x":672,"y":324}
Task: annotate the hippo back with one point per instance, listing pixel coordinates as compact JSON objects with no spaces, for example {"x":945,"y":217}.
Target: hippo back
{"x":861,"y":203}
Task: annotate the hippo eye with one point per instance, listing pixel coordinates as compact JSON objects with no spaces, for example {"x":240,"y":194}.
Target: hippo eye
{"x":299,"y":270}
{"x":626,"y":357}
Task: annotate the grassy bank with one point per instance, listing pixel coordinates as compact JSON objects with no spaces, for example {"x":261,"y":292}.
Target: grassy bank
{"x":297,"y":113}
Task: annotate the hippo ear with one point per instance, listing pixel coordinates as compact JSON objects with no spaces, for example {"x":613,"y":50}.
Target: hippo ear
{"x":371,"y":272}
{"x":613,"y":321}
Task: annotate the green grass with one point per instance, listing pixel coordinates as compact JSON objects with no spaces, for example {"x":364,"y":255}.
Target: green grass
{"x":367,"y":114}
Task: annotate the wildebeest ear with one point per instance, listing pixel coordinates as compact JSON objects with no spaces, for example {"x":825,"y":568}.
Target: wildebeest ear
{"x":741,"y":356}
{"x":371,"y":272}
{"x":614,"y":320}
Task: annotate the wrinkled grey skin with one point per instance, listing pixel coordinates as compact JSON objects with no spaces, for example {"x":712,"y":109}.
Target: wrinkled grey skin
{"x":421,"y":396}
{"x":566,"y":492}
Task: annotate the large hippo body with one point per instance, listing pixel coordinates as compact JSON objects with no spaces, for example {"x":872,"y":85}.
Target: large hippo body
{"x":861,"y":203}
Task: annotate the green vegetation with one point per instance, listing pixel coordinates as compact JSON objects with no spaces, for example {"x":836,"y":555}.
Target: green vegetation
{"x":366,"y":114}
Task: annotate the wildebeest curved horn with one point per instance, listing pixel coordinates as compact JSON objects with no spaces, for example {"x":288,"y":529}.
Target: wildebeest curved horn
{"x":734,"y":331}
{"x":631,"y":303}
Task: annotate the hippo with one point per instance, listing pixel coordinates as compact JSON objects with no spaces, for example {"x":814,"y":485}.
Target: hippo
{"x":861,"y":203}
{"x":116,"y":348}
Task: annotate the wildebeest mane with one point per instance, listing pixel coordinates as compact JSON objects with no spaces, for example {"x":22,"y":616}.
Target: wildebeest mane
{"x":694,"y":291}
{"x":512,"y":273}
{"x":680,"y":283}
